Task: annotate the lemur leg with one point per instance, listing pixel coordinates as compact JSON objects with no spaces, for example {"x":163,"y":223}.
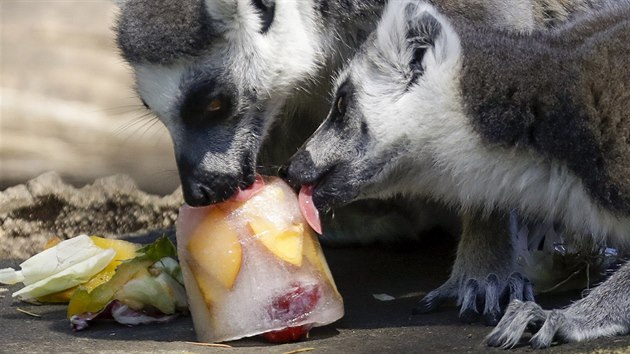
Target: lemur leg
{"x":483,"y":272}
{"x":604,"y":312}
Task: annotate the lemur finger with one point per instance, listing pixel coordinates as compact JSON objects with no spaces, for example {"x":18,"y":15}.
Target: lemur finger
{"x":468,"y":312}
{"x":511,"y":327}
{"x":430,"y":302}
{"x":516,"y":287}
{"x":528,"y":291}
{"x":492,"y":310}
{"x":544,"y":337}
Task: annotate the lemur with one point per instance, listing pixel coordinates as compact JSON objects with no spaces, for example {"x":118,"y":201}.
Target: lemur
{"x":226,"y":76}
{"x":486,"y":119}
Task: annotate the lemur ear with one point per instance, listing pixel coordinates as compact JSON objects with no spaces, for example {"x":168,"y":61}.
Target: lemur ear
{"x":266,"y":11}
{"x":423,"y":31}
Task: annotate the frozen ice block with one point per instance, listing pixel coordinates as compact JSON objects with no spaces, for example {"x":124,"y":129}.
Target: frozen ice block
{"x":254,"y":266}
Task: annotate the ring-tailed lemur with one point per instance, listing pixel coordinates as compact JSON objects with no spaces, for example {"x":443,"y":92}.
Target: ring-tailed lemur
{"x":477,"y":117}
{"x":226,"y":75}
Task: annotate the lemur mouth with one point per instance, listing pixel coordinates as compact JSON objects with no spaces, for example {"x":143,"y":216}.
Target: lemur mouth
{"x":244,"y":194}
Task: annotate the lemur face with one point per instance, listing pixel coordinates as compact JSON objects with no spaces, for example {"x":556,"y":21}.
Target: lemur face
{"x":387,"y":101}
{"x":212,"y":73}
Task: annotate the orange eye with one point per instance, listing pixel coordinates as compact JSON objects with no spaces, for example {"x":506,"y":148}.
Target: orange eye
{"x":215,"y":105}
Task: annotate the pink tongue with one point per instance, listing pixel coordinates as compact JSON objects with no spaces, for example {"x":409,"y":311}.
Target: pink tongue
{"x":307,"y":207}
{"x":243,"y":195}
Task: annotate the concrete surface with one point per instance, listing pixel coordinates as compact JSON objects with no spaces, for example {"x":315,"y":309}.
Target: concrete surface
{"x":369,"y":326}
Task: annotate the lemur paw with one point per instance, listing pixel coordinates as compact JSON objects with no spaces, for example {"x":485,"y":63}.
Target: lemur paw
{"x":472,"y":293}
{"x":573,"y":324}
{"x":518,"y":317}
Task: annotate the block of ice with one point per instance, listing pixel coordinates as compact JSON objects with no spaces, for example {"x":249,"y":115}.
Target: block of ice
{"x":254,"y":266}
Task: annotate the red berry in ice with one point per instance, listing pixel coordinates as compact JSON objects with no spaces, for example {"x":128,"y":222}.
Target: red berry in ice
{"x":287,"y":335}
{"x":298,"y":302}
{"x":293,"y":306}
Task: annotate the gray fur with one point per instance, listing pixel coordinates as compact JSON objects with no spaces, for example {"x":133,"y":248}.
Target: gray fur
{"x":524,"y":91}
{"x":163,"y":31}
{"x":528,"y":98}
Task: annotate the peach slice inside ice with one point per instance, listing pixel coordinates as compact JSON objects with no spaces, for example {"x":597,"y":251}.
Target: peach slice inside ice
{"x":285,"y":244}
{"x":216,"y":249}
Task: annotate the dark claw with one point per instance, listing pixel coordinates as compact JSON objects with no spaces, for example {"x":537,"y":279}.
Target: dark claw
{"x":429,"y":303}
{"x":516,"y":287}
{"x":492,"y":310}
{"x":469,"y":313}
{"x":528,"y":291}
{"x":469,"y":316}
{"x":492,"y":318}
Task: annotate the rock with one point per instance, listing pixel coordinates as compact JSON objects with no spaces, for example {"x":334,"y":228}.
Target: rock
{"x":113,"y":207}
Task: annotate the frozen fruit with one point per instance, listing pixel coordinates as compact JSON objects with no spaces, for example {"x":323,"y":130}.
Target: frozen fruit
{"x":282,"y":287}
{"x":287,"y":335}
{"x":215,"y":248}
{"x":315,"y":255}
{"x":285,"y":244}
{"x":297,"y":302}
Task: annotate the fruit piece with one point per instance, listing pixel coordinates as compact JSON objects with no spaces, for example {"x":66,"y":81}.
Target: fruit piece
{"x":209,"y":289}
{"x":52,"y":242}
{"x":313,"y":252}
{"x":295,"y":304}
{"x":59,"y":297}
{"x":215,"y":247}
{"x":124,"y":250}
{"x":83,"y":301}
{"x":308,"y":209}
{"x":287,"y":335}
{"x":285,"y":244}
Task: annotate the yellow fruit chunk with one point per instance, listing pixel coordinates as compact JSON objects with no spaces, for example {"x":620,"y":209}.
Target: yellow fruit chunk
{"x":52,"y":242}
{"x":215,"y":247}
{"x":314,"y":254}
{"x":285,"y":244}
{"x":59,"y":297}
{"x":124,"y":250}
{"x":208,"y":288}
{"x":83,"y":301}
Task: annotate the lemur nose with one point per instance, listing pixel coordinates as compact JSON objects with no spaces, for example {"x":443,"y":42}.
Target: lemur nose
{"x":283,"y":171}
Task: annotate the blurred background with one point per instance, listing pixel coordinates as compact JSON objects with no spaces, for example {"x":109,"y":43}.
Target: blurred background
{"x":67,"y":102}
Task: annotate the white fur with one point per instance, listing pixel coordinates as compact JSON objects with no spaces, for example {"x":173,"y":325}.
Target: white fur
{"x":159,"y":86}
{"x":443,"y":157}
{"x":251,"y":59}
